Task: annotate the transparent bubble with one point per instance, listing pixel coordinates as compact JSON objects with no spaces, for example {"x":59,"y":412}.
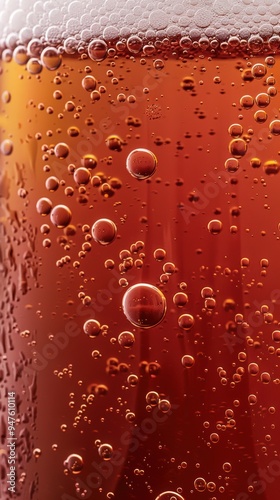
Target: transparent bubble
{"x":247,"y":101}
{"x":82,"y":176}
{"x":200,"y":484}
{"x":271,"y":167}
{"x":259,"y":70}
{"x":164,"y":405}
{"x":134,"y":44}
{"x":89,"y":83}
{"x":61,"y":216}
{"x":51,"y":58}
{"x":44,"y":206}
{"x":232,"y":165}
{"x":92,"y":328}
{"x":262,"y":100}
{"x":7,"y":147}
{"x":89,"y":161}
{"x":274,"y":127}
{"x":215,"y":226}
{"x":141,"y":163}
{"x":34,"y":66}
{"x":187,"y":361}
{"x":61,"y":150}
{"x":97,"y":50}
{"x":235,"y":130}
{"x":104,"y":231}
{"x":105,"y":451}
{"x":152,"y":398}
{"x":144,"y":305}
{"x":74,"y":464}
{"x":188,"y":83}
{"x":126,"y":339}
{"x":159,"y":254}
{"x":169,"y":495}
{"x":238,"y":148}
{"x":114,"y":142}
{"x":20,"y":55}
{"x":276,"y":335}
{"x":52,"y":184}
{"x":186,"y":321}
{"x":180,"y":299}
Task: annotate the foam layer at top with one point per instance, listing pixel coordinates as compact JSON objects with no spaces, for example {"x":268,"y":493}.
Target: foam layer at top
{"x":56,"y":20}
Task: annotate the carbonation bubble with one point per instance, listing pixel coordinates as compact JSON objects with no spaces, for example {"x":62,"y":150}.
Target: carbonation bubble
{"x":276,"y":335}
{"x":126,"y":339}
{"x":61,"y":216}
{"x":200,"y":484}
{"x":180,"y":299}
{"x":207,"y":292}
{"x":260,"y":116}
{"x":7,"y":147}
{"x":82,"y":175}
{"x":152,"y":398}
{"x":169,"y":495}
{"x":43,"y":206}
{"x":34,"y":66}
{"x":215,"y":226}
{"x":141,"y":163}
{"x":188,"y":83}
{"x":104,"y":231}
{"x":134,"y":44}
{"x":187,"y":361}
{"x":159,"y":254}
{"x":274,"y":127}
{"x":186,"y":321}
{"x":262,"y":100}
{"x":164,"y":405}
{"x":105,"y":451}
{"x":92,"y":328}
{"x":247,"y":101}
{"x":238,"y":148}
{"x":232,"y":165}
{"x":255,"y":162}
{"x":259,"y":70}
{"x":20,"y":55}
{"x":89,"y":83}
{"x":61,"y":150}
{"x":144,"y":305}
{"x":235,"y":130}
{"x":114,"y":143}
{"x":271,"y":167}
{"x":74,"y":464}
{"x":51,"y":58}
{"x":97,"y":50}
{"x":89,"y":161}
{"x":253,"y":368}
{"x":52,"y":184}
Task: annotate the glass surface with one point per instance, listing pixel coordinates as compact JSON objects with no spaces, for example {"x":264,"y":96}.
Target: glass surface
{"x":140,"y":293}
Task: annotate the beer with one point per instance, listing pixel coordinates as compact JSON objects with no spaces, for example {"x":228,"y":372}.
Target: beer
{"x":139,"y":256}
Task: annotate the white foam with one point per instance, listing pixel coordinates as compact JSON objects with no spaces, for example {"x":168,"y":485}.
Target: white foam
{"x":56,"y":20}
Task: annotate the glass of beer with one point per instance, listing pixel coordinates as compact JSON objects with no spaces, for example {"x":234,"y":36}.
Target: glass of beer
{"x":140,"y":293}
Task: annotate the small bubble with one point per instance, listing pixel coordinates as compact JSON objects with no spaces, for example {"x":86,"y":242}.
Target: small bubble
{"x":271,"y":167}
{"x":126,"y":339}
{"x":188,"y":83}
{"x":34,"y":66}
{"x":144,"y":305}
{"x":215,"y":226}
{"x":61,"y":150}
{"x":92,"y":328}
{"x":238,"y":148}
{"x":89,"y":83}
{"x":200,"y":484}
{"x":187,"y":361}
{"x":180,"y":299}
{"x":89,"y":161}
{"x":50,"y":58}
{"x":61,"y":216}
{"x":114,"y":143}
{"x":274,"y":127}
{"x":6,"y":147}
{"x":82,"y":176}
{"x":186,"y":321}
{"x":159,"y":254}
{"x":74,"y":464}
{"x":44,"y":206}
{"x":105,"y":451}
{"x":52,"y":184}
{"x":152,"y":398}
{"x":259,"y":70}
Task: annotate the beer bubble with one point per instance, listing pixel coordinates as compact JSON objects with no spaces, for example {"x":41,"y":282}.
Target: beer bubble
{"x":158,"y":64}
{"x":276,"y":335}
{"x":255,"y":162}
{"x":105,"y":451}
{"x":247,"y":101}
{"x":20,"y":55}
{"x":180,"y":299}
{"x":262,"y":100}
{"x":109,"y":264}
{"x":51,"y":58}
{"x":126,"y":339}
{"x":235,"y":130}
{"x":45,"y":229}
{"x":114,"y":143}
{"x":169,"y":495}
{"x":130,"y":417}
{"x":152,"y":398}
{"x":52,"y":184}
{"x":260,"y":116}
{"x":92,"y":328}
{"x":37,"y":452}
{"x":141,"y":163}
{"x":232,"y":165}
{"x":207,"y":292}
{"x":97,"y":50}
{"x":134,"y":44}
{"x":253,"y":368}
{"x":238,"y":148}
{"x":187,"y":361}
{"x":144,"y":305}
{"x":200,"y":484}
{"x":188,"y":83}
{"x":61,"y":216}
{"x":214,"y":226}
{"x":159,"y":254}
{"x":104,"y":231}
{"x":89,"y":161}
{"x":34,"y":66}
{"x":214,"y":437}
{"x":61,"y":150}
{"x":259,"y":70}
{"x":7,"y":147}
{"x":132,"y":380}
{"x":227,"y":467}
{"x":46,"y":243}
{"x":274,"y":127}
{"x":211,"y":486}
{"x":73,"y":131}
{"x":186,"y":321}
{"x":89,"y":83}
{"x":44,"y":206}
{"x":271,"y":167}
{"x":6,"y":96}
{"x":74,"y":464}
{"x":164,"y":405}
{"x":82,"y":176}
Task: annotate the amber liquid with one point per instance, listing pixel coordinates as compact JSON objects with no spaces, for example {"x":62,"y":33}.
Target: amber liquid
{"x":213,"y":431}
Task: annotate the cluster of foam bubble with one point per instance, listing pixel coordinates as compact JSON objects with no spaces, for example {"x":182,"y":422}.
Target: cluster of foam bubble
{"x":54,"y":22}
